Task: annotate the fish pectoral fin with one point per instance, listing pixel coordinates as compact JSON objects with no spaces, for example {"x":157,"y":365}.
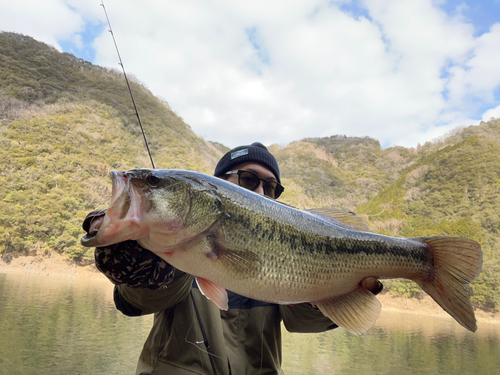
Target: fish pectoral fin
{"x":213,"y":292}
{"x":239,"y":261}
{"x":356,"y":311}
{"x":343,"y":218}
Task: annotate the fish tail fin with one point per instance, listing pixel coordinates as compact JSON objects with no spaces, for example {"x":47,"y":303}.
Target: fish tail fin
{"x":457,"y":262}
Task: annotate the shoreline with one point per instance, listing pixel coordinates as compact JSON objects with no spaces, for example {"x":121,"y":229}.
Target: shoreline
{"x":58,"y":266}
{"x":53,"y":265}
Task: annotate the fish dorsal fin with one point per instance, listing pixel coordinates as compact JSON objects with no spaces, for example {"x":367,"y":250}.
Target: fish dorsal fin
{"x":356,"y":311}
{"x":240,"y":262}
{"x":213,"y":292}
{"x":343,"y":218}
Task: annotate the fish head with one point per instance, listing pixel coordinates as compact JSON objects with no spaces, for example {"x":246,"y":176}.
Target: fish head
{"x":161,"y":209}
{"x":141,"y":200}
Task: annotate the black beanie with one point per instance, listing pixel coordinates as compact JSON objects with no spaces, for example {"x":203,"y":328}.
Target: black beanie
{"x":256,"y":152}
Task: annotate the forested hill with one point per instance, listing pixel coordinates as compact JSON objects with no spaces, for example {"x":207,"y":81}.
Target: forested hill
{"x":34,"y":75}
{"x":447,"y":187}
{"x":65,"y":123}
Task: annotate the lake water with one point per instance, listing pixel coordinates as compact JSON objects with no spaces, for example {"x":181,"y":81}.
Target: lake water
{"x":68,"y":326}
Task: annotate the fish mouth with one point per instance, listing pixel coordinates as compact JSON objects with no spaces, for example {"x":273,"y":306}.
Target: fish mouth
{"x":122,"y":219}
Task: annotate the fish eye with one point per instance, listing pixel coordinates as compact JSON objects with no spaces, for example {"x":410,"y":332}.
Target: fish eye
{"x":153,"y":180}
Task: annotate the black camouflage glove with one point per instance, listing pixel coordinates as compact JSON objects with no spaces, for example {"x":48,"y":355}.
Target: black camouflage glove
{"x":127,"y":263}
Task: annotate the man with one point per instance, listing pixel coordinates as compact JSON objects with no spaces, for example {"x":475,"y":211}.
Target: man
{"x":190,"y":335}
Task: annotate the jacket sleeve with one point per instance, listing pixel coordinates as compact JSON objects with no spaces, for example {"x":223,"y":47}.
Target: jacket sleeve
{"x":144,"y":283}
{"x":303,"y":317}
{"x":127,"y":263}
{"x":140,"y":301}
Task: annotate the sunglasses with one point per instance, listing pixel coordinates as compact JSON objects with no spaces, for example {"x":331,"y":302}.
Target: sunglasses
{"x":251,"y":181}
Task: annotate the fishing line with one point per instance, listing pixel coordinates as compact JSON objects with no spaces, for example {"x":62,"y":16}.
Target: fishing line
{"x":204,"y":334}
{"x":128,"y":85}
{"x":205,"y":340}
{"x":262,"y":345}
{"x":196,"y":343}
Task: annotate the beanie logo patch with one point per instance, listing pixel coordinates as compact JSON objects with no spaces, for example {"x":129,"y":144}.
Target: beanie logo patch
{"x":239,"y":153}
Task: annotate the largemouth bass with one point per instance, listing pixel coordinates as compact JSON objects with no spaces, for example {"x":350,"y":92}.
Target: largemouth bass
{"x":232,"y":238}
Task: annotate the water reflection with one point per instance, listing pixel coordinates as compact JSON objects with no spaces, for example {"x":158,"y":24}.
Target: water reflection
{"x":63,"y":326}
{"x":400,"y":343}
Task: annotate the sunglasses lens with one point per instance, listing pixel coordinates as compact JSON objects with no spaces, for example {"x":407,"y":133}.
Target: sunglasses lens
{"x":278,"y":190}
{"x":249,"y":180}
{"x":270,"y":189}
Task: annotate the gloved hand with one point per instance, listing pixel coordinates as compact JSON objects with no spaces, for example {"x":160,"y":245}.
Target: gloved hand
{"x":127,"y":263}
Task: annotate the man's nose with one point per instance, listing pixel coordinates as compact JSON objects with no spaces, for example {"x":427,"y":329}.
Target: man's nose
{"x":260,"y":189}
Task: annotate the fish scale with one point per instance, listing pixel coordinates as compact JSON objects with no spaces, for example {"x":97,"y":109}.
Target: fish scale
{"x":313,"y":252}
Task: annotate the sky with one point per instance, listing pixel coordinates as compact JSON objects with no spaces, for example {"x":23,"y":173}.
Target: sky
{"x":400,"y":71}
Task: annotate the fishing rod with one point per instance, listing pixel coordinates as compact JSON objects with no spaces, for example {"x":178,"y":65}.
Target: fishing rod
{"x":202,"y":328}
{"x":129,"y":88}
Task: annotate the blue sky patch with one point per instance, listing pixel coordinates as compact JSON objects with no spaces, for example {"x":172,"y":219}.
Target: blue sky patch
{"x":257,"y":43}
{"x":85,"y":51}
{"x":386,"y":144}
{"x":496,"y":94}
{"x":354,"y":9}
{"x":482,"y":14}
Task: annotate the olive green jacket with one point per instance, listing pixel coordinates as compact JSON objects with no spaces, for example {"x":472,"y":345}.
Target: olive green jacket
{"x":246,"y":339}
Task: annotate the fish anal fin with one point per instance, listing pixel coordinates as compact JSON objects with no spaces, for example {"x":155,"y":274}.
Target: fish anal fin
{"x":240,"y":262}
{"x":213,"y":292}
{"x":356,"y":311}
{"x":343,"y":218}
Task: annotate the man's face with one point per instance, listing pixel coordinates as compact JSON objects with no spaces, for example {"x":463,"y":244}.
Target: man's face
{"x":258,"y":169}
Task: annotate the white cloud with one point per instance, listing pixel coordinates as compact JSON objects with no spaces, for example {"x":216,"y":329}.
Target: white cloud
{"x":493,"y":112}
{"x":404,"y":75}
{"x":47,"y":21}
{"x":480,"y":75}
